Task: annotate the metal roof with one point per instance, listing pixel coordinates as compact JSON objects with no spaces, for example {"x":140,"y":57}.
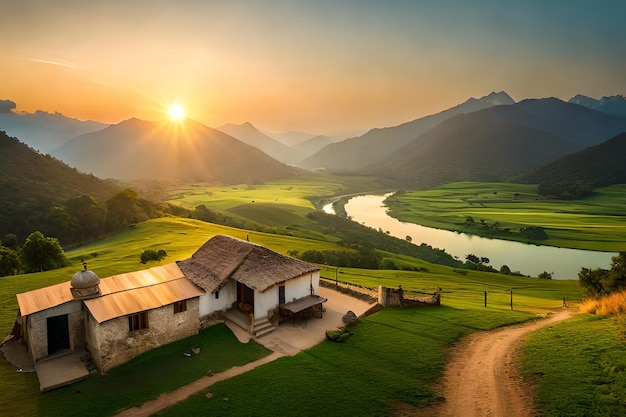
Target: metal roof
{"x":132,"y":301}
{"x":120,"y":289}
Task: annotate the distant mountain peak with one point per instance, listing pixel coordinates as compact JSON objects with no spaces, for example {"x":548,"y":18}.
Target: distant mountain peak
{"x":615,"y":105}
{"x":498,"y":98}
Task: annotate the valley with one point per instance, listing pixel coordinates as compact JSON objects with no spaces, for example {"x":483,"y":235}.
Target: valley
{"x":195,"y":182}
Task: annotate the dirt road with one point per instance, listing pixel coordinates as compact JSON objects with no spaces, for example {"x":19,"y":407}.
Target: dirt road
{"x":481,"y":379}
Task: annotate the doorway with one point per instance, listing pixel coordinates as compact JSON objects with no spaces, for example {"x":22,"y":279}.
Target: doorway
{"x":245,"y":295}
{"x":58,"y":334}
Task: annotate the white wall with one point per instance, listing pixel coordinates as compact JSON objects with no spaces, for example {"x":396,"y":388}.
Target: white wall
{"x":294,"y":289}
{"x":227,"y":295}
{"x":265,"y":301}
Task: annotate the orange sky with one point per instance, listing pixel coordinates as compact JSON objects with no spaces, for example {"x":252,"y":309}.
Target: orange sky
{"x":339,"y":67}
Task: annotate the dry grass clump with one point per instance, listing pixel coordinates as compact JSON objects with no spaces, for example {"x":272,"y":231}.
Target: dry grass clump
{"x":614,"y":304}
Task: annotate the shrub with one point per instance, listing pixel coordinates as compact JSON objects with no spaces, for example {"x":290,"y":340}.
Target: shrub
{"x":152,"y":255}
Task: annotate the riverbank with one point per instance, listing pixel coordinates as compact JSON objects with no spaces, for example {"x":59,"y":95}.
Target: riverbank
{"x":530,"y":260}
{"x":515,"y":212}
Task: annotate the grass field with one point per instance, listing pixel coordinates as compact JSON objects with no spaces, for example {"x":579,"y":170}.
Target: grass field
{"x":595,"y":223}
{"x":392,"y":361}
{"x":142,"y":379}
{"x":579,"y":367}
{"x":407,"y":337}
{"x":305,"y":192}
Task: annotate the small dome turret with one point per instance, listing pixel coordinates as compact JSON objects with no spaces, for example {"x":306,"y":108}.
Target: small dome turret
{"x":85,"y":283}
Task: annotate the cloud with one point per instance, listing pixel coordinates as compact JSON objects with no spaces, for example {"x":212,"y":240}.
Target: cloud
{"x":6,"y":106}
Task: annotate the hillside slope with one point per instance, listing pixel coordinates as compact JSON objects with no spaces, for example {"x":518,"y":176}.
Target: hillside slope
{"x":577,"y":174}
{"x":30,"y":183}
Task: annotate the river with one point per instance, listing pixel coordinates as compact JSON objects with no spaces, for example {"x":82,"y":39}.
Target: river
{"x":531,"y":260}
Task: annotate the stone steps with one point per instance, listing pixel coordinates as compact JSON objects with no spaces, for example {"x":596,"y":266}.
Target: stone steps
{"x":262,"y":327}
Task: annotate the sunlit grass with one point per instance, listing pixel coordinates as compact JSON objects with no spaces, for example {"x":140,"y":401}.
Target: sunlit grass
{"x":613,"y":304}
{"x":579,"y":366}
{"x":394,"y":357}
{"x":304,"y":192}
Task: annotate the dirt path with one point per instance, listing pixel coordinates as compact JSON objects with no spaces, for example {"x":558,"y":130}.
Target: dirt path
{"x":168,"y":399}
{"x":481,"y":379}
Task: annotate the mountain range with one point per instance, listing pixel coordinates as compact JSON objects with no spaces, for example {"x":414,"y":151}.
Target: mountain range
{"x":497,"y":143}
{"x":188,"y":151}
{"x":41,"y":130}
{"x":492,"y":138}
{"x":608,"y":104}
{"x":249,"y":134}
{"x":354,"y":154}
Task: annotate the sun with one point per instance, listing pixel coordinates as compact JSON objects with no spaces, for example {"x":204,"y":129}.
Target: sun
{"x":176,"y":113}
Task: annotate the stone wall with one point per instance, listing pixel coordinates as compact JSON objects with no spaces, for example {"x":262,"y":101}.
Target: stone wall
{"x":118,"y":345}
{"x":37,"y":328}
{"x":397,"y":297}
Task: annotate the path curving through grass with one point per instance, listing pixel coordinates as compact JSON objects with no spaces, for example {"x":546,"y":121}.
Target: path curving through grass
{"x":481,"y":379}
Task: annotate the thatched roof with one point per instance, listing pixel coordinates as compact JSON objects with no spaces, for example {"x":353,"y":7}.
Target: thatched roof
{"x":257,"y":267}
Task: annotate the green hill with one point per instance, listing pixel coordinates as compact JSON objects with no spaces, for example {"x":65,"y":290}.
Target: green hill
{"x":31,"y":183}
{"x":576,"y":175}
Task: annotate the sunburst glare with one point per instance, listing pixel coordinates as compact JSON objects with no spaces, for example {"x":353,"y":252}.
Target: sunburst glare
{"x":176,"y":113}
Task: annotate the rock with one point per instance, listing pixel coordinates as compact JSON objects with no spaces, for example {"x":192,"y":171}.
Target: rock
{"x":349,"y":317}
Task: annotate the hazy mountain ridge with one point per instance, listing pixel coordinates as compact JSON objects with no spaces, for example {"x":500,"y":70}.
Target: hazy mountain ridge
{"x":615,"y":105}
{"x":41,"y":130}
{"x":187,"y":151}
{"x":248,"y":133}
{"x":497,"y":143}
{"x":313,"y":145}
{"x":354,"y":154}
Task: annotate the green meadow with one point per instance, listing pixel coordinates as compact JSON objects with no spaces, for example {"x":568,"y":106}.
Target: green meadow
{"x":578,"y":366}
{"x":595,"y":223}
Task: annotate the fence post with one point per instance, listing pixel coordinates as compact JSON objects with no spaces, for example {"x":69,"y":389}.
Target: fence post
{"x":485,"y":298}
{"x":511,"y":300}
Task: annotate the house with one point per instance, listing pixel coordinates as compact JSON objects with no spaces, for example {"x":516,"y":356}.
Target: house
{"x":117,"y":318}
{"x":250,"y":278}
{"x":114,"y":319}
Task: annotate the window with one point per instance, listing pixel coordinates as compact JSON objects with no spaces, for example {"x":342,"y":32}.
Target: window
{"x":138,"y":321}
{"x":217,"y":295}
{"x":180,"y":306}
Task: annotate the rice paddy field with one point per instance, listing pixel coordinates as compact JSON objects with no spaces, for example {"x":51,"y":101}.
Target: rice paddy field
{"x":596,"y":223}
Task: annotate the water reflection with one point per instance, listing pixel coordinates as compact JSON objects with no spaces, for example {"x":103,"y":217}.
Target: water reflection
{"x":528,"y":259}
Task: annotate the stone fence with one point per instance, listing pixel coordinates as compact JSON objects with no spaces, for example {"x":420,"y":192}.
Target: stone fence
{"x":386,"y":297}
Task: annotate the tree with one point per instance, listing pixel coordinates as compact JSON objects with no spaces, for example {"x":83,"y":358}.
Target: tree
{"x":473,"y":259}
{"x":123,"y":210}
{"x":10,"y":241}
{"x":504,"y":269}
{"x":90,"y":215}
{"x":40,"y":253}
{"x":545,"y":275}
{"x":591,"y":281}
{"x":615,"y":279}
{"x":597,"y":282}
{"x":9,"y":262}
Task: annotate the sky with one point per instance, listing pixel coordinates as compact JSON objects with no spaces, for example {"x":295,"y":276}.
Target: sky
{"x":336,"y":67}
